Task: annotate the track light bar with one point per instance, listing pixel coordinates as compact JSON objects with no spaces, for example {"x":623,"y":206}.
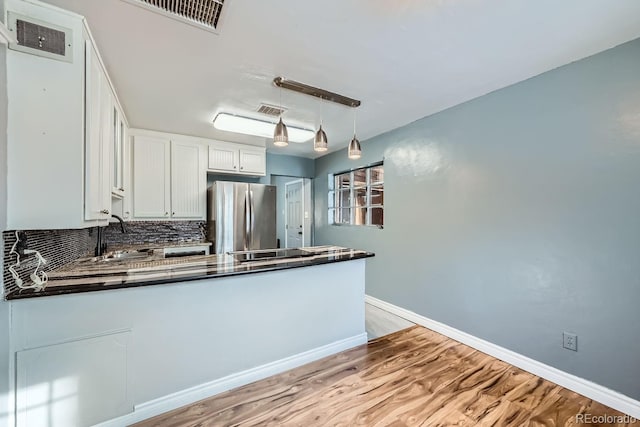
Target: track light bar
{"x":314,"y":91}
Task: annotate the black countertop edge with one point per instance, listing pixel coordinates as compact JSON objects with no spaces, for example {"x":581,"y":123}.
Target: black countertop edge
{"x":242,"y":270}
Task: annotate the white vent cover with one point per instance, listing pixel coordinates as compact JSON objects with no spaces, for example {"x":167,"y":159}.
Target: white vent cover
{"x":270,"y":110}
{"x":40,"y":38}
{"x":201,"y":13}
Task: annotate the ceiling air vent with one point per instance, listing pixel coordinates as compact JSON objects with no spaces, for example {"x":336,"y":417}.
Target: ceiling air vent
{"x":201,"y":13}
{"x":270,"y":110}
{"x":40,"y":38}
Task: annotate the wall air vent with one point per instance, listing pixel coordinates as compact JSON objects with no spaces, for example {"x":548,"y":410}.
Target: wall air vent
{"x":201,"y":13}
{"x":40,"y":38}
{"x":270,"y":110}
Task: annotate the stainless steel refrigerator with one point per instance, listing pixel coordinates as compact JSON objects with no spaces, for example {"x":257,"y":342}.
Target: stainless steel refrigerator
{"x":241,"y":216}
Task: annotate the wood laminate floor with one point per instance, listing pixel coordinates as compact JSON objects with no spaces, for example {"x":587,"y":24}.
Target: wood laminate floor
{"x":414,"y":377}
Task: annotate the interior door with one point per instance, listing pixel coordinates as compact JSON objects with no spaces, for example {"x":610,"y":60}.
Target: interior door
{"x":294,"y":217}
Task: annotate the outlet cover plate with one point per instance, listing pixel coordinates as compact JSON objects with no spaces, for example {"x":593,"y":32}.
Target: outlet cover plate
{"x":570,"y":341}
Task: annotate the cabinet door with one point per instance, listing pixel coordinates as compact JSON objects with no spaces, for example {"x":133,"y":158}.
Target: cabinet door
{"x":97,"y":138}
{"x":151,"y":174}
{"x":223,"y":158}
{"x":188,"y":180}
{"x":253,"y":161}
{"x":118,"y":139}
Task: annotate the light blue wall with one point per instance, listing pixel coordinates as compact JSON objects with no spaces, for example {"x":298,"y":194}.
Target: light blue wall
{"x":516,"y":216}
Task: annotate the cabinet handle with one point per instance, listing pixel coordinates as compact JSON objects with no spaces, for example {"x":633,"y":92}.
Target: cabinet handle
{"x":120,"y":189}
{"x":105,"y":211}
{"x":235,"y":167}
{"x":173,"y":213}
{"x":241,"y":167}
{"x":127,"y":212}
{"x":166,"y":213}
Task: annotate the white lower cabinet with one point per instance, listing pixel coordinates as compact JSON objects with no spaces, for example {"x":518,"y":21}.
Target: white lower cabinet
{"x":169,"y":179}
{"x":75,"y":383}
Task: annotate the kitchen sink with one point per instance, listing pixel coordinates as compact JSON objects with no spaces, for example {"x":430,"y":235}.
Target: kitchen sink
{"x":121,"y":256}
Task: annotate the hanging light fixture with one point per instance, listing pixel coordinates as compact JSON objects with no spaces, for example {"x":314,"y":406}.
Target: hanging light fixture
{"x":320,"y":142}
{"x":280,"y":134}
{"x":354,"y":150}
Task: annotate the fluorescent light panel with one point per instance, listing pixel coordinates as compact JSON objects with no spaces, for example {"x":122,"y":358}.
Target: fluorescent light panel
{"x":256,"y":127}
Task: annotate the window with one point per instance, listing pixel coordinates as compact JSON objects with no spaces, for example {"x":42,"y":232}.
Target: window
{"x":357,"y":197}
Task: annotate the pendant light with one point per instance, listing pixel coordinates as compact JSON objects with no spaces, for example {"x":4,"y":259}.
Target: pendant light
{"x":320,"y":142}
{"x":354,"y":150}
{"x":280,"y":134}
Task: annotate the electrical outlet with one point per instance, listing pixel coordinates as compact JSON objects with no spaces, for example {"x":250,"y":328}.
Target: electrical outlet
{"x":570,"y":341}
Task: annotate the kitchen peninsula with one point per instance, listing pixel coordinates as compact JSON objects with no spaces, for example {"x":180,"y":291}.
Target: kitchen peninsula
{"x":150,"y":338}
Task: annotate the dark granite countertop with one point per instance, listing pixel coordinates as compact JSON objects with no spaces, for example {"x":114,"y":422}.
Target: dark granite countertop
{"x":83,"y":275}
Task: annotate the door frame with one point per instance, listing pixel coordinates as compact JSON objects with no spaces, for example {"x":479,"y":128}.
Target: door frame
{"x":286,"y":210}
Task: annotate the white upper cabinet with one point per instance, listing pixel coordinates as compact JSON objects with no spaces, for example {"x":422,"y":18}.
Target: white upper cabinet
{"x":253,"y":161}
{"x":59,"y":132}
{"x":223,"y":157}
{"x":188,"y":180}
{"x":98,"y":139}
{"x":169,"y":179}
{"x":119,"y":137}
{"x":151,"y":177}
{"x":230,"y":158}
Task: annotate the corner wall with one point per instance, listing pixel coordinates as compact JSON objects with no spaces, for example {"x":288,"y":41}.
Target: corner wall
{"x":516,"y":216}
{"x":4,"y":306}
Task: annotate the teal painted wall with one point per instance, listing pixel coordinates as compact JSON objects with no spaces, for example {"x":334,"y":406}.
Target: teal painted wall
{"x":516,"y":216}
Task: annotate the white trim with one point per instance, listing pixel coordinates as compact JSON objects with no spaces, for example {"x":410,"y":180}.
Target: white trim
{"x":286,"y":210}
{"x":5,"y":35}
{"x":172,"y":401}
{"x":587,"y":388}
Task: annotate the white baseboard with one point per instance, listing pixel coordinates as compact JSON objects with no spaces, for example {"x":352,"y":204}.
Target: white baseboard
{"x":584,"y":387}
{"x":202,"y":391}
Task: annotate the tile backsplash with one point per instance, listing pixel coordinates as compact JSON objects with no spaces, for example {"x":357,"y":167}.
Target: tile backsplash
{"x":155,"y":232}
{"x":60,"y":247}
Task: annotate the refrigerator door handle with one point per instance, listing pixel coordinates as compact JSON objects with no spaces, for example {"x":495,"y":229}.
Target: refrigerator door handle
{"x":253,"y":224}
{"x":247,"y":221}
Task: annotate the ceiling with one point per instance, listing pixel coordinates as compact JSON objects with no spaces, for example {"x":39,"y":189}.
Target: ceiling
{"x":404,"y":59}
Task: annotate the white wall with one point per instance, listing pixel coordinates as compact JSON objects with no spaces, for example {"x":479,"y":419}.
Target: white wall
{"x":4,"y":306}
{"x":187,"y":334}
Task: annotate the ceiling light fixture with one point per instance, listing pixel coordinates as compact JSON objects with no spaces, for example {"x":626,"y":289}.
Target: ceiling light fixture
{"x":280,"y":135}
{"x":320,"y":143}
{"x":354,"y":151}
{"x":256,"y":127}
